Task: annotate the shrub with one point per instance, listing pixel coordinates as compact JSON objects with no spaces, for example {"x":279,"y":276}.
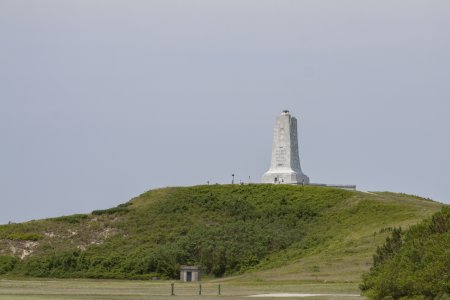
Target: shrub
{"x":71,"y":219}
{"x":121,"y":208}
{"x":7,"y":263}
{"x":25,"y":236}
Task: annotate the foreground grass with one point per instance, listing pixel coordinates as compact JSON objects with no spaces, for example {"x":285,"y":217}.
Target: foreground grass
{"x":115,"y":289}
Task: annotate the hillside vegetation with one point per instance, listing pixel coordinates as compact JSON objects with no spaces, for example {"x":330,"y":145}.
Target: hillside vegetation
{"x":290,"y":232}
{"x":415,"y":264}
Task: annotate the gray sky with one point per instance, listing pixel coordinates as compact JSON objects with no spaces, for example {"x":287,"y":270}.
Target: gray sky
{"x":103,"y":100}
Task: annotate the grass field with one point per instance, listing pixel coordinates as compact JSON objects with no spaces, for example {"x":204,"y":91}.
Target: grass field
{"x":118,"y":289}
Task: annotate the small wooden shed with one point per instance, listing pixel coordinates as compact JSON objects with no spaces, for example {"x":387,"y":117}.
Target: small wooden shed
{"x":189,"y":273}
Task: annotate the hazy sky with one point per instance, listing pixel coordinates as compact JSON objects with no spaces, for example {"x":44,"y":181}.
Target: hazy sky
{"x":103,"y":100}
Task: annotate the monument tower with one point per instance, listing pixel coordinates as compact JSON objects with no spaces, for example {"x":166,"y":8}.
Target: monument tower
{"x":285,"y":165}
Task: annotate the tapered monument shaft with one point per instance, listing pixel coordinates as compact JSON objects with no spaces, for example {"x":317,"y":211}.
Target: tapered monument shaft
{"x":285,"y":165}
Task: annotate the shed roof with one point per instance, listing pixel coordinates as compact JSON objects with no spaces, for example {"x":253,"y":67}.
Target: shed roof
{"x":189,"y":268}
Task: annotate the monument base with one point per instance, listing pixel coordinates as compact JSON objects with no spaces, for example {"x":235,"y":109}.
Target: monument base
{"x":289,"y":177}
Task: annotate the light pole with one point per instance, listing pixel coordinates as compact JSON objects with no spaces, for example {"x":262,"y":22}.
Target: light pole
{"x":232,"y":178}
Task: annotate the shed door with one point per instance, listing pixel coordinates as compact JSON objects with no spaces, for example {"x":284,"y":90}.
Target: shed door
{"x":188,"y":276}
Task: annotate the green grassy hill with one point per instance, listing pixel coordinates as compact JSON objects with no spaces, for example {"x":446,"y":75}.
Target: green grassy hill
{"x":247,"y":232}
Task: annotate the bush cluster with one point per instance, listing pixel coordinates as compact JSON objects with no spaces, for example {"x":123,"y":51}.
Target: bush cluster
{"x":7,"y":264}
{"x":24,"y":236}
{"x":413,"y":265}
{"x":77,"y":218}
{"x":121,"y":208}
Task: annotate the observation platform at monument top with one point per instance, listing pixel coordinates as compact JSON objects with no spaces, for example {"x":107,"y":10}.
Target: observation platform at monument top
{"x":285,"y":165}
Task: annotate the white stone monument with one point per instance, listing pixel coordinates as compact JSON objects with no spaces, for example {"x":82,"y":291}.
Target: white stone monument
{"x":285,"y":166}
